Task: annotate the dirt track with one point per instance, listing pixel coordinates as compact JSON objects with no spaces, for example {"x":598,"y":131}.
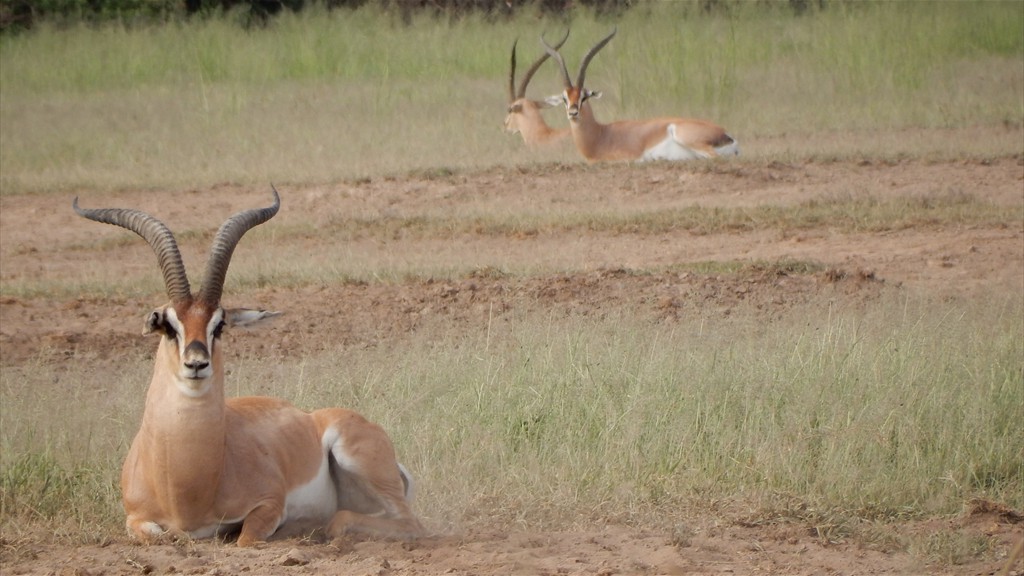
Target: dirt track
{"x":578,"y":271}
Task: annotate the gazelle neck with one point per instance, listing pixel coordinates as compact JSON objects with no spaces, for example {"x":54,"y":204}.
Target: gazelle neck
{"x":587,"y":132}
{"x":184,"y":434}
{"x":532,"y":126}
{"x":168,"y":387}
{"x":535,"y":130}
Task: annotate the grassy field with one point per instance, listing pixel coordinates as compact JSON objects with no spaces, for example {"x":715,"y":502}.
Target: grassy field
{"x":907,"y":410}
{"x":840,"y":418}
{"x":319,"y":97}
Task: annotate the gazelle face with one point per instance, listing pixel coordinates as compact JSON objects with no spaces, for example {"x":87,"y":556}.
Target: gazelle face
{"x":191,"y":324}
{"x":574,"y":95}
{"x":514,"y":110}
{"x":192,"y":330}
{"x":573,"y":99}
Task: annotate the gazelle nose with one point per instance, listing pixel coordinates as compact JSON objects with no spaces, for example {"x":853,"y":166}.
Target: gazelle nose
{"x":197,"y":357}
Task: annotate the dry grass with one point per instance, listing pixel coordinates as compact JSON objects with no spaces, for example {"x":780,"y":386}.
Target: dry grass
{"x":869,"y":416}
{"x":863,"y":418}
{"x":317,"y":98}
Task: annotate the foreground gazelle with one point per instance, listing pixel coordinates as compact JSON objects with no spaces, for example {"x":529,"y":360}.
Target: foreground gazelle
{"x":655,"y":139}
{"x":202,"y":464}
{"x":524,"y":115}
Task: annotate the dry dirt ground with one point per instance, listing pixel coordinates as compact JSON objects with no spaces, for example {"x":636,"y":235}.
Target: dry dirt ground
{"x":572,"y":271}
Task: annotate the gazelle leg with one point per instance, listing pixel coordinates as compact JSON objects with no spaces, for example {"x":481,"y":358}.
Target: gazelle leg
{"x":399,"y":528}
{"x":260,"y":523}
{"x":372,"y":487}
{"x":144,"y":530}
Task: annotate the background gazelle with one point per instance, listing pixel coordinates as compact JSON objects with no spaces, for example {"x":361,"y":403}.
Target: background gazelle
{"x":655,"y":139}
{"x":524,"y":115}
{"x":202,"y":465}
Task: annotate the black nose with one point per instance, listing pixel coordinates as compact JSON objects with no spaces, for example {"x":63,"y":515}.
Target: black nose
{"x":197,"y":357}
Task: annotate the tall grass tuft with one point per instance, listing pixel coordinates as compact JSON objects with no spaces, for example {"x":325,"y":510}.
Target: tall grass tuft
{"x":63,"y":434}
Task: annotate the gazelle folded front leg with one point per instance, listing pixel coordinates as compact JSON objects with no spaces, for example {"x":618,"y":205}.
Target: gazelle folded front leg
{"x":261,"y":523}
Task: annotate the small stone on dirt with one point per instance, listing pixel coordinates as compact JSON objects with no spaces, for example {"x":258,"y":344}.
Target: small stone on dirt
{"x":293,"y":558}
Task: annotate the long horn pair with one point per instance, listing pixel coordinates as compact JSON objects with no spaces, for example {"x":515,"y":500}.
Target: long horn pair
{"x":160,"y":238}
{"x":553,"y":52}
{"x":514,"y":94}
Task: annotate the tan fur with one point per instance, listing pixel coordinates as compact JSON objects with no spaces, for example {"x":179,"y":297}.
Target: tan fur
{"x":661,"y":138}
{"x":200,"y":464}
{"x":629,"y":139}
{"x":524,"y":116}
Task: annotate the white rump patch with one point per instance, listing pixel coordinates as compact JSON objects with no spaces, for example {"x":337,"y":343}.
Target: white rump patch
{"x":671,"y":149}
{"x":410,"y":484}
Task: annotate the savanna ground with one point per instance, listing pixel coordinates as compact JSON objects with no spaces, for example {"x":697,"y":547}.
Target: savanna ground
{"x":807,"y":360}
{"x":656,"y":274}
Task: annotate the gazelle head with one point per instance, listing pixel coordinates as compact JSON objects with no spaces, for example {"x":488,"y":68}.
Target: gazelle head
{"x":517,"y":101}
{"x":190,"y":324}
{"x":573,"y":96}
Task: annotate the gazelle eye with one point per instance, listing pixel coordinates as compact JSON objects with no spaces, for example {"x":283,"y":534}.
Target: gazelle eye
{"x":169,"y":330}
{"x":220,"y":328}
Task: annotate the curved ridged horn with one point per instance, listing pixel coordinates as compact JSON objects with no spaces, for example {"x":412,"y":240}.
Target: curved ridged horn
{"x":512,"y":74}
{"x":230,"y":232}
{"x":590,"y":54}
{"x":566,"y":82}
{"x":531,"y":70}
{"x":159,"y":237}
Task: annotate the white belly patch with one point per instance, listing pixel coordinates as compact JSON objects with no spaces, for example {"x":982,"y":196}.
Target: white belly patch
{"x":315,"y":501}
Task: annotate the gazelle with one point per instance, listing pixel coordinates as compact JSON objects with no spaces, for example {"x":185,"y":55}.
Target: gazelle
{"x":524,"y":115}
{"x":654,"y":139}
{"x":202,"y":464}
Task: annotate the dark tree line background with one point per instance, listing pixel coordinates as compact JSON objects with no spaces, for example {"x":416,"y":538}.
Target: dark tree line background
{"x":20,"y":15}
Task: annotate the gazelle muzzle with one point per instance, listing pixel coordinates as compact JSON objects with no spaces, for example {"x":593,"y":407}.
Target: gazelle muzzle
{"x":196,"y":360}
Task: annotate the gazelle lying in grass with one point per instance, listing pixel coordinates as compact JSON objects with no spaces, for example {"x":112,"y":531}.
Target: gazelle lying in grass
{"x":655,"y":139}
{"x":524,"y":115}
{"x":202,"y":464}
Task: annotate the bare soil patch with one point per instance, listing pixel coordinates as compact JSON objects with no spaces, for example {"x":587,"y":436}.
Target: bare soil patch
{"x":574,"y":272}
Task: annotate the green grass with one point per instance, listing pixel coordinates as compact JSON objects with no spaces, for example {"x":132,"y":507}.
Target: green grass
{"x":320,"y":96}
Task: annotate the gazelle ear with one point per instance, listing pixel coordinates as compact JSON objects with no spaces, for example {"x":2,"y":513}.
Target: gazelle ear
{"x":555,"y":100}
{"x":154,"y":321}
{"x":593,"y":94}
{"x":242,"y":317}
